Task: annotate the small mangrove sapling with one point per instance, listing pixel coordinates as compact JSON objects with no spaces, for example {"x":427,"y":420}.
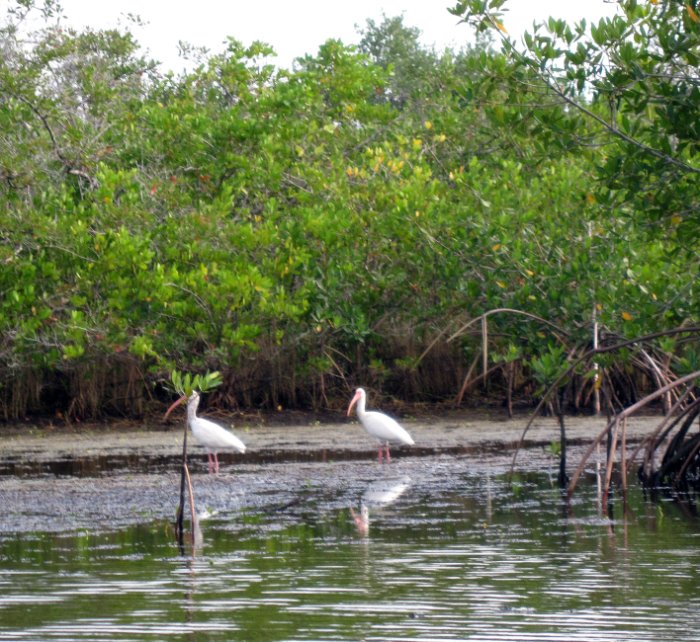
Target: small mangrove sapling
{"x":184,"y":386}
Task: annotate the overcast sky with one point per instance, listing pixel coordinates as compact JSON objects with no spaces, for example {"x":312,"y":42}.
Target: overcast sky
{"x":298,"y":27}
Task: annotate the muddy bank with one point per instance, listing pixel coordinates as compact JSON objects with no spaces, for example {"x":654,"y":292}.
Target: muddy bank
{"x":103,"y":480}
{"x":317,"y":441}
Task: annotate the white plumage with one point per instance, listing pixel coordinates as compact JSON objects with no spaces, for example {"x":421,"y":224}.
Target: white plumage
{"x":211,"y":436}
{"x":382,"y":427}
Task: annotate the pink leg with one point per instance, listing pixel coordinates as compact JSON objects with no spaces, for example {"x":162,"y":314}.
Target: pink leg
{"x":211,"y":464}
{"x":216,"y":461}
{"x":388,"y":456}
{"x":379,"y":454}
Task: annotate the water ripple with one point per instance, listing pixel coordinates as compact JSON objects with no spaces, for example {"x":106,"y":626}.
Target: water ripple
{"x":451,"y":557}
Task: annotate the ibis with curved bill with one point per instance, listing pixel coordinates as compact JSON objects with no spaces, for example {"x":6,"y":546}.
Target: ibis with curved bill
{"x":382,"y":427}
{"x":213,"y":437}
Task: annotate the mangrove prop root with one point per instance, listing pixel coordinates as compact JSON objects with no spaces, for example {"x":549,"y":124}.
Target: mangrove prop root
{"x":622,"y":416}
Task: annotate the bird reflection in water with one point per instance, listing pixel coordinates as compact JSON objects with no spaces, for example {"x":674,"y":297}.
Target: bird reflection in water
{"x":361,"y":519}
{"x":377,"y":495}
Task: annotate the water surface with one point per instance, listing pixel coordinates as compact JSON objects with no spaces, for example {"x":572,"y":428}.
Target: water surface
{"x":453,"y":552}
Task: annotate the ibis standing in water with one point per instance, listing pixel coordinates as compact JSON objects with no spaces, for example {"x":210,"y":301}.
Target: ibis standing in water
{"x":380,"y":426}
{"x":211,"y":436}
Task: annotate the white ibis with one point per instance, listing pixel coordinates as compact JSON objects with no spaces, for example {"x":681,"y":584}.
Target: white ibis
{"x":380,"y":426}
{"x":211,"y":436}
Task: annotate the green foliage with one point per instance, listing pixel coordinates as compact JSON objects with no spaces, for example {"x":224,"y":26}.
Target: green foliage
{"x":298,"y":229}
{"x":554,"y":449}
{"x":688,"y":361}
{"x":549,"y":366}
{"x":186,"y":384}
{"x":640,"y":70}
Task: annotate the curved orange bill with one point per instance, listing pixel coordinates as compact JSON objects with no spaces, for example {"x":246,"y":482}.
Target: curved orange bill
{"x":352,"y":403}
{"x":175,"y":405}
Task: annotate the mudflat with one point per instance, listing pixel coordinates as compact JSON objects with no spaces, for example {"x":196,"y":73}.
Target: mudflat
{"x":98,"y":478}
{"x":432,"y":434}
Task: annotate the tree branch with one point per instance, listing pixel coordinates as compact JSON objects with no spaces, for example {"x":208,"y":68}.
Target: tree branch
{"x":550,"y":82}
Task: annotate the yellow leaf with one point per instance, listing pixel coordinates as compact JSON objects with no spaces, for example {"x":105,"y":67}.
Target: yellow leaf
{"x":428,"y":124}
{"x":417,"y":143}
{"x":626,"y":316}
{"x":676,"y":219}
{"x":500,"y":26}
{"x":529,"y":273}
{"x":496,"y":247}
{"x":501,"y":285}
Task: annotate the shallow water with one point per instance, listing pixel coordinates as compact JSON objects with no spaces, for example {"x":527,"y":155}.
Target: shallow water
{"x":453,"y":552}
